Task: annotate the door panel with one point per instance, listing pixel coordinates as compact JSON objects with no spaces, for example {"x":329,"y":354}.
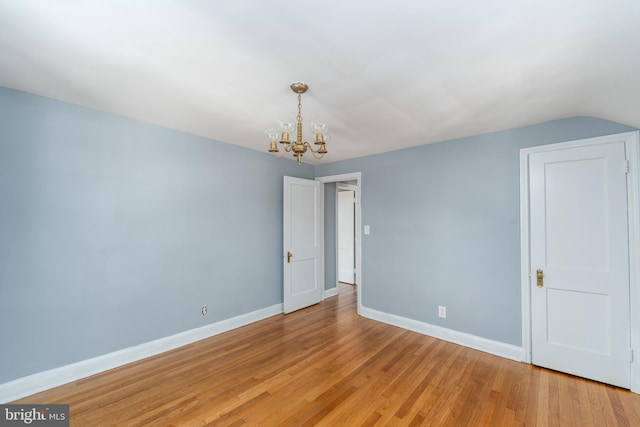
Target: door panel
{"x":579,"y":239}
{"x":303,"y":277}
{"x":570,"y":213}
{"x":303,"y":215}
{"x":302,"y":228}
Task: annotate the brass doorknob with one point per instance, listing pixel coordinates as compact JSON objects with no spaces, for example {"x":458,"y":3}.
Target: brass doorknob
{"x":540,"y":277}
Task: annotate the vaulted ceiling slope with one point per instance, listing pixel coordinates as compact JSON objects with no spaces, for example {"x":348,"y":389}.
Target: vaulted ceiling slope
{"x":385,"y":75}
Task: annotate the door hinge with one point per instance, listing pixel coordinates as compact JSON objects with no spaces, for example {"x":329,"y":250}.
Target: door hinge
{"x":625,"y":166}
{"x":631,"y":355}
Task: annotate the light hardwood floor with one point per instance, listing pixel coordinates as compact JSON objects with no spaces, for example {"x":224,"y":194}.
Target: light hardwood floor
{"x":326,"y":366}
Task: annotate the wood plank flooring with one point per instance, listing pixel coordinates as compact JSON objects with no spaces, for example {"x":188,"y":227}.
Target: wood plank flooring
{"x":325,"y":366}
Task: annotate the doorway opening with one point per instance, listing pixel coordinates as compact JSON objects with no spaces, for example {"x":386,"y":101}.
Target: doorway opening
{"x":346,"y":232}
{"x":342,"y":230}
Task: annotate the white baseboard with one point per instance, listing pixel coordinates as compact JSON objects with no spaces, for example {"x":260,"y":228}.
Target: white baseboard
{"x":41,"y":381}
{"x":328,"y":293}
{"x":497,"y":348}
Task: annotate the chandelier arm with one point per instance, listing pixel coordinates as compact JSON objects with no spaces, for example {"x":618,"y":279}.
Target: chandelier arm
{"x":314,"y":152}
{"x":310,"y":147}
{"x":279,"y":156}
{"x":317,"y":156}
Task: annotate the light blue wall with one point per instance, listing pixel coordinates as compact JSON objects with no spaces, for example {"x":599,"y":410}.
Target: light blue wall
{"x":445,"y":226}
{"x":114,"y":232}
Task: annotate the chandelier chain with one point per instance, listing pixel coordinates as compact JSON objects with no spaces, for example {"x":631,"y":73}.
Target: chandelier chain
{"x":299,"y":117}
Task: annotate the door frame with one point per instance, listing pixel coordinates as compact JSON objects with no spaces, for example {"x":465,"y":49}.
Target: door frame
{"x":357,"y":176}
{"x":632,"y":151}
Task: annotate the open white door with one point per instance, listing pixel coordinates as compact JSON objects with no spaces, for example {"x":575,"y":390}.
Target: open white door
{"x":346,"y":237}
{"x":580,"y":261}
{"x":303,"y":243}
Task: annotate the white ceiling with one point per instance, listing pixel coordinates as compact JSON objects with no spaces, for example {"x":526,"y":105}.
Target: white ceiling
{"x":384,"y":74}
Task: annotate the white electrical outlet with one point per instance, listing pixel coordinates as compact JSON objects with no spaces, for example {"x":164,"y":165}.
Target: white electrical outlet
{"x":204,"y":310}
{"x":442,"y":311}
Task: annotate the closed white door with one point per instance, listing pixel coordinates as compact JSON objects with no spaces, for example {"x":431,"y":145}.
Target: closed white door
{"x":346,"y":236}
{"x":303,"y":267}
{"x":580,"y":262}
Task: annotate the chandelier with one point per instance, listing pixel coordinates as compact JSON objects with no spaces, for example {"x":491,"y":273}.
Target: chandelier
{"x":286,"y":126}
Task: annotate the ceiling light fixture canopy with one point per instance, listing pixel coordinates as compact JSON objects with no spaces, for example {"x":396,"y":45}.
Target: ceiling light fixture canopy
{"x":286,"y":126}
